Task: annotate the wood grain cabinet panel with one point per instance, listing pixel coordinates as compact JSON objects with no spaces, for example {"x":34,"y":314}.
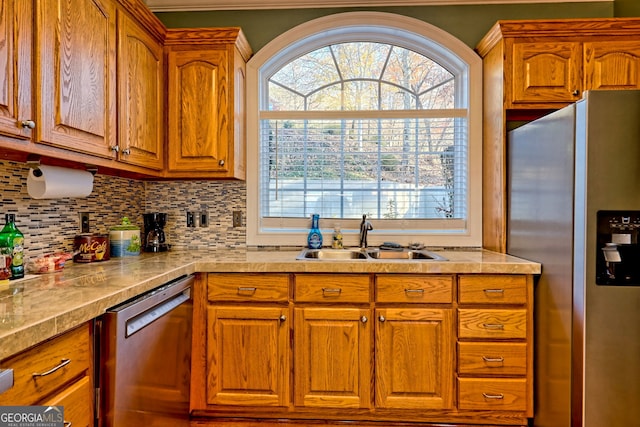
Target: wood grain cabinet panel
{"x":248,"y":287}
{"x":612,"y":64}
{"x":140,"y":95}
{"x":76,"y":75}
{"x":414,"y":358}
{"x":206,"y":91}
{"x":492,"y":289}
{"x":508,"y":394}
{"x":16,"y":38}
{"x":74,"y":400}
{"x":332,"y":357}
{"x":248,"y":356}
{"x":484,"y":358}
{"x":414,"y":288}
{"x":332,"y":288}
{"x":546,"y":72}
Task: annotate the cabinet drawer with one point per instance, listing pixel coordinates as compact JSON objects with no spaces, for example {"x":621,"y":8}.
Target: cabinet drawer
{"x":332,"y":288}
{"x":77,"y":401}
{"x":492,"y":358}
{"x":490,"y":323}
{"x":247,"y":287}
{"x":492,"y":289}
{"x":70,"y":353}
{"x":414,"y":288}
{"x":492,"y":394}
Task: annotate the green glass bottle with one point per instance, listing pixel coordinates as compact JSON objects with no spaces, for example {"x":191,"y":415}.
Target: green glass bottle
{"x":11,"y":237}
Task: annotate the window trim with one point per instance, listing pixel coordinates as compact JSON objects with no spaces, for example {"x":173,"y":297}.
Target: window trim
{"x":314,"y":34}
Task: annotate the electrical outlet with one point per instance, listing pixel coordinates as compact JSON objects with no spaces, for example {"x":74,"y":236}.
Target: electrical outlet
{"x":237,"y":218}
{"x":84,"y":222}
{"x":191,"y":219}
{"x":204,"y":219}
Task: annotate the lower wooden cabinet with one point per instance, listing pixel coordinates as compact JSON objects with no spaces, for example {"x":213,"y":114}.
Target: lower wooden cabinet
{"x":56,"y":372}
{"x":431,"y":348}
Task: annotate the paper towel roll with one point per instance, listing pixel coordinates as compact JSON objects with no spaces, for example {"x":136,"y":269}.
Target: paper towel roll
{"x":53,"y":182}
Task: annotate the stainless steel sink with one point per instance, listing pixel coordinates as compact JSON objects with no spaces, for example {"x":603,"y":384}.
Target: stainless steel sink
{"x":408,"y":254}
{"x":332,"y":254}
{"x":369,"y":254}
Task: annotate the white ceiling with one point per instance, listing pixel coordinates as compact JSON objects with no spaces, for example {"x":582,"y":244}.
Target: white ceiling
{"x":185,"y":5}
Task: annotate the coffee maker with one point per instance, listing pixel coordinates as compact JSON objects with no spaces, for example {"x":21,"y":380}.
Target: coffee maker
{"x":154,"y":236}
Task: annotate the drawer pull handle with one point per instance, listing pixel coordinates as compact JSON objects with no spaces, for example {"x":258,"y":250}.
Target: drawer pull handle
{"x":494,"y":291}
{"x":498,"y":396}
{"x":414,"y":291}
{"x":247,"y":289}
{"x":63,"y":363}
{"x":67,"y":424}
{"x":331,"y":291}
{"x":496,"y":326}
{"x":493,"y":359}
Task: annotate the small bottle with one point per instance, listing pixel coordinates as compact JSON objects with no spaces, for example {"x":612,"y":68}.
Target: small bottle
{"x":11,"y":237}
{"x":314,"y":239}
{"x":337,"y":238}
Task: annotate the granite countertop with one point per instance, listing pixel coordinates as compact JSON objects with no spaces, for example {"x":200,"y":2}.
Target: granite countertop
{"x":39,"y":307}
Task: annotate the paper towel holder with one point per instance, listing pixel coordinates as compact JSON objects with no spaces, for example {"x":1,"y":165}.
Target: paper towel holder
{"x":33,"y":162}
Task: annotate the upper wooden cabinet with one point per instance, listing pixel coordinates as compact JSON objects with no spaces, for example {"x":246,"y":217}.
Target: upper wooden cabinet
{"x":533,"y":67}
{"x":206,"y":116}
{"x":140,"y":95}
{"x":76,"y":75}
{"x":16,"y":37}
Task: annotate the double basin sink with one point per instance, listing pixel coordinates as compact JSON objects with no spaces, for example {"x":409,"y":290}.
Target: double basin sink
{"x":369,"y":254}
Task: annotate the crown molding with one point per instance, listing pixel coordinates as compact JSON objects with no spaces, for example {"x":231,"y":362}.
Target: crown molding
{"x":195,"y":5}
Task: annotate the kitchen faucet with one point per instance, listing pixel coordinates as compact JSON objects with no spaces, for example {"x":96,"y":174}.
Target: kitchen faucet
{"x":365,"y":226}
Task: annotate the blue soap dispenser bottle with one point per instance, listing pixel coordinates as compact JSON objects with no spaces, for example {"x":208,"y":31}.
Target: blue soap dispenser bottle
{"x":314,"y":239}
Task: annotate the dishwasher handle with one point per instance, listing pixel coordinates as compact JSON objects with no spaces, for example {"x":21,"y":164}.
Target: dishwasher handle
{"x":147,"y":317}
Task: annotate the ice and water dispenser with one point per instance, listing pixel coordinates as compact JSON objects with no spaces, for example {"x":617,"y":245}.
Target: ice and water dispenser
{"x":618,"y":248}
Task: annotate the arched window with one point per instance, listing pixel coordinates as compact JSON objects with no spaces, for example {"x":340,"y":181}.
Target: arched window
{"x":365,"y":113}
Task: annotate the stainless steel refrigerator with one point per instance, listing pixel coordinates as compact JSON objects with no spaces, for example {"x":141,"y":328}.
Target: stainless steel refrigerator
{"x":574,"y":206}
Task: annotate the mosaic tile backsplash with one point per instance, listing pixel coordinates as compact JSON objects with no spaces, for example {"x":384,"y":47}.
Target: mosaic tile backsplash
{"x":50,"y":225}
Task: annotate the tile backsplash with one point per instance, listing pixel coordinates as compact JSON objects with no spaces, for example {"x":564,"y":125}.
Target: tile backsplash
{"x":50,"y":225}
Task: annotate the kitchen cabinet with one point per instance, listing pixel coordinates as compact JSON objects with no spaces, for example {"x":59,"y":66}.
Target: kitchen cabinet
{"x":56,"y":372}
{"x":248,"y":340}
{"x":140,"y":95}
{"x":16,"y":34}
{"x":532,"y":67}
{"x":390,"y":347}
{"x":414,"y":345}
{"x":495,"y":349}
{"x":332,"y":345}
{"x":76,"y":75}
{"x":205,"y":96}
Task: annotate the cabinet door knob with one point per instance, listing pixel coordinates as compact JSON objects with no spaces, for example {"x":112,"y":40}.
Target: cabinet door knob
{"x":575,"y":92}
{"x":364,"y":319}
{"x":115,"y":148}
{"x":28,"y":124}
{"x":126,"y":151}
{"x":221,"y":162}
{"x":381,"y":318}
{"x":283,"y":317}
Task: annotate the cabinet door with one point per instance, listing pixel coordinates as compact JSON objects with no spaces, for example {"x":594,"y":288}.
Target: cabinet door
{"x":76,"y":75}
{"x":15,"y":67}
{"x":77,"y":401}
{"x":546,"y":72}
{"x":200,"y":125}
{"x":139,"y":96}
{"x":332,"y":357}
{"x":612,"y":65}
{"x":248,"y":356}
{"x":414,"y":358}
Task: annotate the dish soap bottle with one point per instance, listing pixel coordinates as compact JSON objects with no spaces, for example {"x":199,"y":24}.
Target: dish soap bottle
{"x":11,"y":237}
{"x":337,"y":238}
{"x":314,"y":239}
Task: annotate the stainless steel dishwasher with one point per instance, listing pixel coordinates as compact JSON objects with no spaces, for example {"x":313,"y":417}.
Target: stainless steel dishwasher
{"x":145,"y":359}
